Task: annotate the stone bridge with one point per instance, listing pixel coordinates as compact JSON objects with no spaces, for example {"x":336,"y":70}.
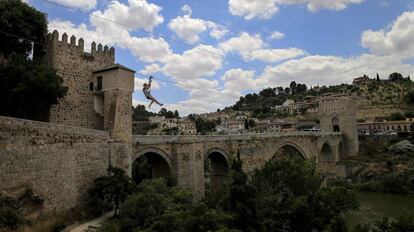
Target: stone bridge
{"x":192,"y":160}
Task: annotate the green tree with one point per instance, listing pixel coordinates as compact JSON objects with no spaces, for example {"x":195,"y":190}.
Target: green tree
{"x":141,"y":170}
{"x":409,"y":97}
{"x":176,"y":114}
{"x":139,"y":113}
{"x":290,"y":198}
{"x":28,"y":88}
{"x":242,"y":199}
{"x":156,"y":207}
{"x":292,"y":86}
{"x":396,"y":77}
{"x":20,"y":19}
{"x":113,"y":188}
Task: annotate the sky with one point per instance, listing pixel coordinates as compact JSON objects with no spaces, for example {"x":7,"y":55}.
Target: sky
{"x":204,"y":55}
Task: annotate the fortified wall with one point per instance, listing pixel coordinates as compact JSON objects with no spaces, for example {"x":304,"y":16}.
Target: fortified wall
{"x":58,"y":162}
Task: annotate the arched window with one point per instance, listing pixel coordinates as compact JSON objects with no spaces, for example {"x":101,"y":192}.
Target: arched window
{"x":335,"y":124}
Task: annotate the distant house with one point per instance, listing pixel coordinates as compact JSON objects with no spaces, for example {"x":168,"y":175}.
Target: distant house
{"x":187,"y":127}
{"x":364,"y":80}
{"x":288,"y":107}
{"x":231,"y":126}
{"x":385,"y":127}
{"x":156,"y":119}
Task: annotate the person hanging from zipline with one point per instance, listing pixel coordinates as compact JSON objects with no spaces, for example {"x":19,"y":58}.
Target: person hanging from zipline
{"x":147,"y":92}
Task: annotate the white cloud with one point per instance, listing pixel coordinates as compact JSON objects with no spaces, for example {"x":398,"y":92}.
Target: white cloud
{"x":245,"y":44}
{"x":147,"y":49}
{"x":201,"y":61}
{"x":252,"y":47}
{"x":188,"y":28}
{"x":150,"y":69}
{"x":79,"y":4}
{"x":277,"y":35}
{"x":216,"y":31}
{"x":249,"y":9}
{"x":329,"y":70}
{"x":138,"y":14}
{"x":239,"y":79}
{"x":276,"y":55}
{"x":202,"y":101}
{"x":396,"y":40}
{"x":265,"y":9}
{"x":186,"y":9}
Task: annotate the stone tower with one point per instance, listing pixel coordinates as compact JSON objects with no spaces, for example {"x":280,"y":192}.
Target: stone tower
{"x":99,"y":91}
{"x":338,"y":114}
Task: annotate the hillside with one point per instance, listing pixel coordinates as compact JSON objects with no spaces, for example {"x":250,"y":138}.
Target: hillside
{"x":375,"y":99}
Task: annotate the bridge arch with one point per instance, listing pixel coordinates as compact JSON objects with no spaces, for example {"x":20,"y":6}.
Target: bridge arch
{"x":150,"y":163}
{"x":216,"y":170}
{"x":289,"y":149}
{"x":327,"y":154}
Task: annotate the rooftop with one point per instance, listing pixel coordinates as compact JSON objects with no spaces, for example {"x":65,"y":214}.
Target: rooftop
{"x":112,"y":66}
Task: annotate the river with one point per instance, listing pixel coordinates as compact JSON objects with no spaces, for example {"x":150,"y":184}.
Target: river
{"x":379,"y":205}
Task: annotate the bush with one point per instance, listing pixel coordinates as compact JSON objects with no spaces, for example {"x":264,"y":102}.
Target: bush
{"x":290,"y":198}
{"x":156,"y":207}
{"x":110,"y":190}
{"x":403,"y":223}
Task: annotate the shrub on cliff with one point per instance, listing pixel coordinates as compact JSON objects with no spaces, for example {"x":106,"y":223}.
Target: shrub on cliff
{"x":404,"y":146}
{"x":10,"y":219}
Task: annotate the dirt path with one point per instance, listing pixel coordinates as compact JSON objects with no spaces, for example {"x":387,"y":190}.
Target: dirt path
{"x":95,"y":223}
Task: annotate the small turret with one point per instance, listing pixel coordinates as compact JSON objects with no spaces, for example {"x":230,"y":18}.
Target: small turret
{"x":99,"y":47}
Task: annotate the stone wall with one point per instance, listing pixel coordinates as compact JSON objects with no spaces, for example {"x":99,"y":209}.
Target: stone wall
{"x":75,"y":67}
{"x":58,"y":162}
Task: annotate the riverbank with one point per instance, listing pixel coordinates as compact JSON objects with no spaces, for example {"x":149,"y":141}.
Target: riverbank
{"x":374,"y":206}
{"x":382,"y":165}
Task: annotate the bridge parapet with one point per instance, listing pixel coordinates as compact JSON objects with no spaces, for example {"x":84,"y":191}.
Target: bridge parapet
{"x":162,"y":139}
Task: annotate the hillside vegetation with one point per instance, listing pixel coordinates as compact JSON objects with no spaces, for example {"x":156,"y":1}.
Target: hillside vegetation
{"x":377,"y":99}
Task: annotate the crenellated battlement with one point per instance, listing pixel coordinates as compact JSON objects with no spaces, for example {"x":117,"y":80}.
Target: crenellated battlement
{"x":55,"y":40}
{"x":342,"y":104}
